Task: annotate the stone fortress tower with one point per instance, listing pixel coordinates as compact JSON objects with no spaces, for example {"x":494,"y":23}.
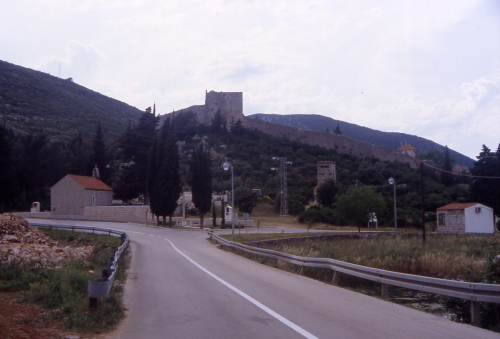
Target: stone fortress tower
{"x":230,"y":105}
{"x":326,"y":170}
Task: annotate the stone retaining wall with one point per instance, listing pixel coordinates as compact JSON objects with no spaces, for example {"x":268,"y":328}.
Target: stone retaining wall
{"x":136,"y":214}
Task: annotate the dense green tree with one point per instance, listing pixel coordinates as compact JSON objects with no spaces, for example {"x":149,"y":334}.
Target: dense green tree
{"x":356,"y":205}
{"x":218,"y":124}
{"x":135,"y":144}
{"x":79,"y":156}
{"x":246,"y":202}
{"x":237,"y":127}
{"x":167,"y":184}
{"x":201,"y":181}
{"x":486,"y":190}
{"x":327,"y":192}
{"x":7,"y":176}
{"x":152,"y":173}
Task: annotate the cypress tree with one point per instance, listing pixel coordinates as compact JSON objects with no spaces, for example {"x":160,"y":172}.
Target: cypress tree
{"x":167,"y":184}
{"x":152,"y":171}
{"x":214,"y":215}
{"x":99,"y":155}
{"x":337,"y":130}
{"x":201,"y":180}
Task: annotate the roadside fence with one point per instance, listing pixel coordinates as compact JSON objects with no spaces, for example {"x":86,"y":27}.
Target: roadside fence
{"x":474,"y":292}
{"x":98,"y":288}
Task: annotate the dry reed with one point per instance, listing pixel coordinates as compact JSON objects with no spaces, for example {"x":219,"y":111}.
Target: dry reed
{"x":460,"y":257}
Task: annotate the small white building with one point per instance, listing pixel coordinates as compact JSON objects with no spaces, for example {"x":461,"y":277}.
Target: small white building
{"x":470,"y":217}
{"x":70,"y":195}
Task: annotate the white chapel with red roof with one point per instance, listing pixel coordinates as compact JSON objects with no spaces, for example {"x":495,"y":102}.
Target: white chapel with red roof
{"x":70,"y":195}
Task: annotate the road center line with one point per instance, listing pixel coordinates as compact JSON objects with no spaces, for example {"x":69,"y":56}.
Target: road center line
{"x":249,"y":298}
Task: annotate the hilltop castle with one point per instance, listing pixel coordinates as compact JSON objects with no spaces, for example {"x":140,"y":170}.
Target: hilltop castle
{"x":230,"y":105}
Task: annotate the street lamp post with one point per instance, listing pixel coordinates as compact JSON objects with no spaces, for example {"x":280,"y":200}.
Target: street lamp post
{"x":226,"y":166}
{"x":393,"y":182}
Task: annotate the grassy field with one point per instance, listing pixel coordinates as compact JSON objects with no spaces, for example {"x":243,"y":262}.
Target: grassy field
{"x":63,"y":290}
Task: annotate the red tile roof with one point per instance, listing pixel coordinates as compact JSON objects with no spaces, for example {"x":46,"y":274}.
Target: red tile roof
{"x":406,"y":147}
{"x":458,"y":206}
{"x":90,"y":183}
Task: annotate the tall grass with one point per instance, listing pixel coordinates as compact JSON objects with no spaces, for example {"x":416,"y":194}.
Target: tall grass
{"x":459,"y":257}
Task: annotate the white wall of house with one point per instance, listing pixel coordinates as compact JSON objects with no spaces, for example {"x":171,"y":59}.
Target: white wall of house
{"x":479,"y":222}
{"x":67,"y":197}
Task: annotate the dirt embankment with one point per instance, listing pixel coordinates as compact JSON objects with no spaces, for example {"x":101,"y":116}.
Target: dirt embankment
{"x":21,"y":243}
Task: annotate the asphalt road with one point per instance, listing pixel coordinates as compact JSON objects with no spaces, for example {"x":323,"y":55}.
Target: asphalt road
{"x":181,"y":286}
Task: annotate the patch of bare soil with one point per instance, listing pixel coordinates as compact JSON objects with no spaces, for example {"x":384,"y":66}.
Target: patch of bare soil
{"x":24,"y":320}
{"x":21,"y":320}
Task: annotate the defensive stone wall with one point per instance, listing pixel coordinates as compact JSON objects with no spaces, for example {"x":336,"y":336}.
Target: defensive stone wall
{"x":230,"y":104}
{"x":341,"y":143}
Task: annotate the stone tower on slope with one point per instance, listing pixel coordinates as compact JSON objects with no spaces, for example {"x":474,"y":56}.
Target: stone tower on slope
{"x":229,"y":104}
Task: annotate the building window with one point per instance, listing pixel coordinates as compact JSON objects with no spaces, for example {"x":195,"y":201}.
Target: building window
{"x":93,"y":200}
{"x":441,"y":219}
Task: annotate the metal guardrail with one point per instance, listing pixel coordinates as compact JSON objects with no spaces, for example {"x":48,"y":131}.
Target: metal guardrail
{"x":98,"y":288}
{"x":474,"y":292}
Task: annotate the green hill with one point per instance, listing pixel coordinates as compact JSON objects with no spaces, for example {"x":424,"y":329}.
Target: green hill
{"x":33,"y":101}
{"x":394,"y":140}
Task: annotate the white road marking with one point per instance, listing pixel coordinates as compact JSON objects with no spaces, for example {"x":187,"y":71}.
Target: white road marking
{"x":285,"y":321}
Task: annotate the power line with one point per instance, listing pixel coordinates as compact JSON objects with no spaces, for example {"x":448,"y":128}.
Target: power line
{"x":460,"y":174}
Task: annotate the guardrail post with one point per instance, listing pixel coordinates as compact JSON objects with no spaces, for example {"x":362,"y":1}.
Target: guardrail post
{"x":336,"y":277}
{"x":475,"y":313}
{"x":385,"y":291}
{"x":92,"y":302}
{"x":302,"y":270}
{"x":275,"y":262}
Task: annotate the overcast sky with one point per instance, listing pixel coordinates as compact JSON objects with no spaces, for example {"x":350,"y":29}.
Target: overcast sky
{"x":429,"y":68}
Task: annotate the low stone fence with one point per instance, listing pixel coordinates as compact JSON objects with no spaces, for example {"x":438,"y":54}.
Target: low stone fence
{"x":133,"y":214}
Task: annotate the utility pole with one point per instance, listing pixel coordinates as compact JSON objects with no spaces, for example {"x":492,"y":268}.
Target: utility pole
{"x":284,"y":183}
{"x":422,"y":195}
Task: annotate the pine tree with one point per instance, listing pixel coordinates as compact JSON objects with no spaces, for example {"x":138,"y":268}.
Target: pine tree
{"x":201,"y":181}
{"x":487,"y":190}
